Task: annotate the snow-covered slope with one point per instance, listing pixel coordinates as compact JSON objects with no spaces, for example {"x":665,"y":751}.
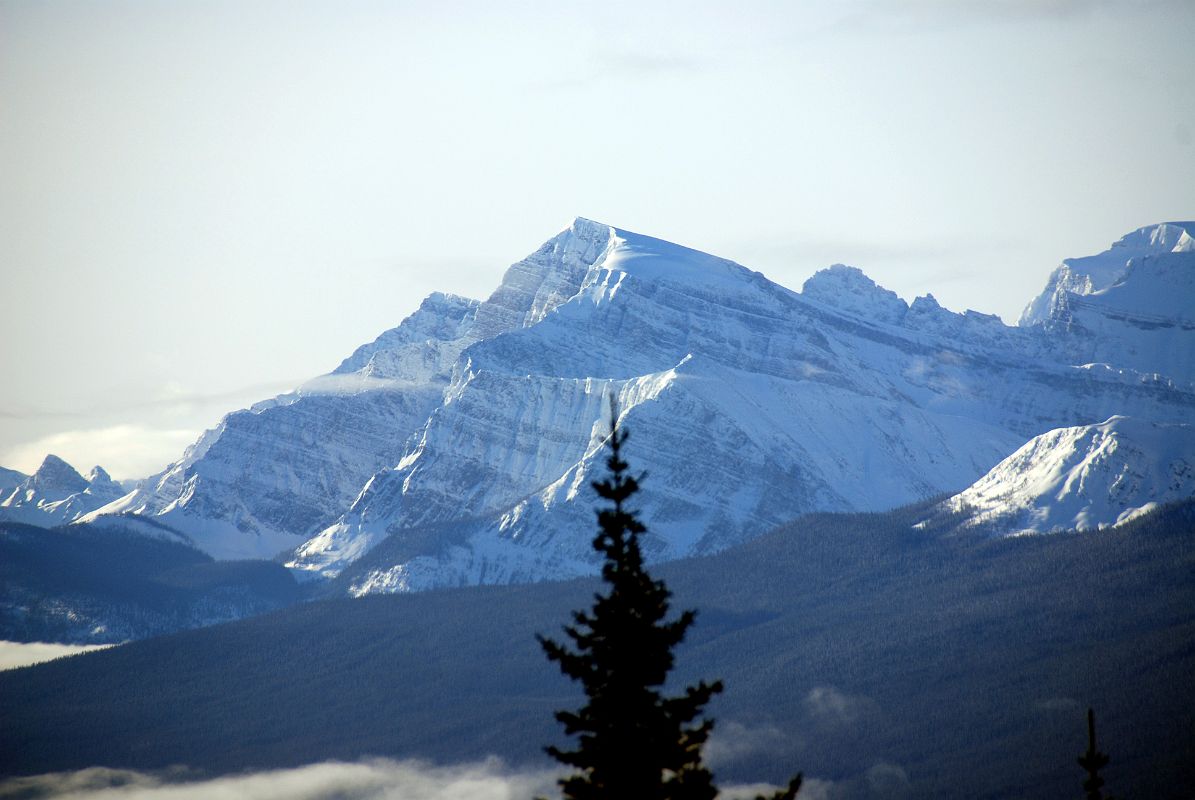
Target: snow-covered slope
{"x":56,"y":494}
{"x":1082,"y":478}
{"x":459,"y":447}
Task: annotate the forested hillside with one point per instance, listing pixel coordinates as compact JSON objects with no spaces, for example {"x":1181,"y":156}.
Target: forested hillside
{"x":848,"y":644}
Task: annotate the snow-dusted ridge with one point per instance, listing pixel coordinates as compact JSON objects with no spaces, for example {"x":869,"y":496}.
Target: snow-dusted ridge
{"x":458,"y":447}
{"x":56,"y":494}
{"x":1082,"y":478}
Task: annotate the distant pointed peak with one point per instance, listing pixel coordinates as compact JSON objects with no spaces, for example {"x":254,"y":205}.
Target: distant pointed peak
{"x":587,"y":223}
{"x":99,"y":476}
{"x":53,"y":464}
{"x":57,"y":475}
{"x":101,"y":484}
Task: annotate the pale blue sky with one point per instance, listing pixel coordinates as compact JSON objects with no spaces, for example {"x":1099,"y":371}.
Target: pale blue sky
{"x":204,"y":203}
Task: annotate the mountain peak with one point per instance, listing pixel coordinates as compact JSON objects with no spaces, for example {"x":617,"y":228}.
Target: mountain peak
{"x":1164,"y":237}
{"x":101,"y":483}
{"x":586,"y":224}
{"x":55,"y":475}
{"x":98,"y":472}
{"x":534,"y":286}
{"x":849,"y":289}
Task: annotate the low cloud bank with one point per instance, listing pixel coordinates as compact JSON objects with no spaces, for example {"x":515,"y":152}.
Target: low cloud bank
{"x":376,"y":779}
{"x":827,"y":707}
{"x":23,"y":654}
{"x":732,"y":742}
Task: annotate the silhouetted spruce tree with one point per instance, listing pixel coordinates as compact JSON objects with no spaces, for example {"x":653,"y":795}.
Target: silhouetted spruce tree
{"x":1092,"y":762}
{"x":633,"y":743}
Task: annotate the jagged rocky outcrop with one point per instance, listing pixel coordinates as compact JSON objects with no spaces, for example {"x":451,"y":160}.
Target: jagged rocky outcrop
{"x":458,"y":447}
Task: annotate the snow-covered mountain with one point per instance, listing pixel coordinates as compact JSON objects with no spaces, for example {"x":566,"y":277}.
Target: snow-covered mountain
{"x":1130,"y":307}
{"x":1082,"y":478}
{"x":755,"y":404}
{"x":56,"y":494}
{"x":458,"y":447}
{"x":1078,"y":277}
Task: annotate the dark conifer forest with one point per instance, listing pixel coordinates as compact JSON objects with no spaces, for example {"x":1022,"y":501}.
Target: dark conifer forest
{"x":99,"y":584}
{"x":851,"y":646}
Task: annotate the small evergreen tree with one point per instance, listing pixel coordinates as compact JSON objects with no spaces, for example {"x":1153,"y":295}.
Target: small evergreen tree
{"x":634,"y":743}
{"x":1092,"y":762}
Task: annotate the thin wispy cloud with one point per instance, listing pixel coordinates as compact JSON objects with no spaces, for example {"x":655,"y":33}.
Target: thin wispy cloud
{"x":637,"y":63}
{"x":170,"y":396}
{"x":827,"y":251}
{"x":628,"y":65}
{"x":353,"y":383}
{"x":895,"y":16}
